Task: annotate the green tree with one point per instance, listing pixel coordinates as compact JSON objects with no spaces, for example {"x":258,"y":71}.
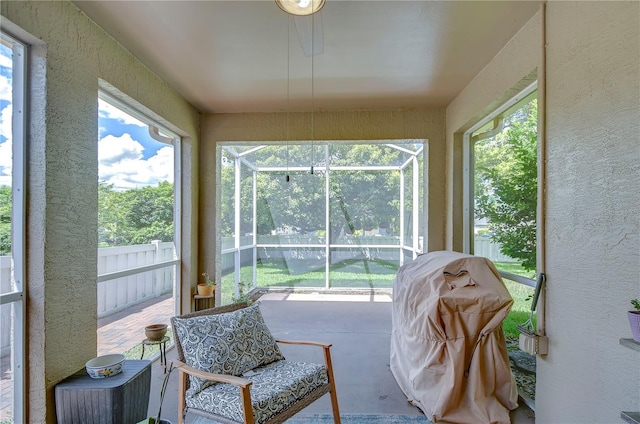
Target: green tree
{"x":363,"y":200}
{"x":506,"y":185}
{"x":227,"y":200}
{"x":5,"y":220}
{"x":135,"y":216}
{"x":358,"y":199}
{"x":112,"y":228}
{"x":149,"y":213}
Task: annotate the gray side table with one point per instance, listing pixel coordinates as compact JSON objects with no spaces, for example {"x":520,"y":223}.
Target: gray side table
{"x":123,"y":398}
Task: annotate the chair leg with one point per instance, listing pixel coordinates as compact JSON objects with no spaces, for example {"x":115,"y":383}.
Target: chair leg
{"x":334,"y":403}
{"x":182,"y":387}
{"x":247,"y":407}
{"x":332,"y":384}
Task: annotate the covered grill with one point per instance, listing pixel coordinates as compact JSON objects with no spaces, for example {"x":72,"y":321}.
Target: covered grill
{"x":448,"y":351}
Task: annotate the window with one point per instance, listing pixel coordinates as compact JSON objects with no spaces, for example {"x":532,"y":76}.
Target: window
{"x":138,"y":253}
{"x":502,"y":202}
{"x":503,"y":186}
{"x":12,"y":228}
{"x":350,"y":223}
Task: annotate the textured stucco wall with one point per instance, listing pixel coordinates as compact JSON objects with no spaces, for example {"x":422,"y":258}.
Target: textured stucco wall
{"x":593,"y":196}
{"x":593,"y":224}
{"x":361,"y":125}
{"x":63,"y":174}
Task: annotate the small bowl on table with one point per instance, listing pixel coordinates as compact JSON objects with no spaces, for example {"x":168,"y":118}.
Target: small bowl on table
{"x":155,"y":332}
{"x":105,"y":366}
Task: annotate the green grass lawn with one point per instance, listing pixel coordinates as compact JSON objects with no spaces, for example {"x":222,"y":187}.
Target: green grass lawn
{"x":150,"y":352}
{"x":365,"y":274}
{"x":521,"y":295}
{"x":520,"y":310}
{"x":355,"y":273}
{"x":515,"y":268}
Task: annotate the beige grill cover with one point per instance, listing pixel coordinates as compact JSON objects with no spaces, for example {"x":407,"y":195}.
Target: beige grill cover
{"x":448,"y":309}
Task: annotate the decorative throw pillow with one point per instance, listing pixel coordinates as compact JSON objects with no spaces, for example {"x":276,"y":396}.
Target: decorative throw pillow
{"x":231,"y":343}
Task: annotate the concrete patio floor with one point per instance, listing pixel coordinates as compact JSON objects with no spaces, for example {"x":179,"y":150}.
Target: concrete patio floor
{"x":358,"y":326}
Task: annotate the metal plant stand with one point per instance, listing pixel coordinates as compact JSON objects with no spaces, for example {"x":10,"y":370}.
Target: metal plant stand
{"x":162,"y":343}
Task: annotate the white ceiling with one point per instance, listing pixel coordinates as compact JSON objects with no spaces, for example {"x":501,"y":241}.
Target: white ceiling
{"x":234,"y":56}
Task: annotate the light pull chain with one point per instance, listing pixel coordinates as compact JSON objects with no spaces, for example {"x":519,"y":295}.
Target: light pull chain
{"x":288,"y":89}
{"x":313,"y":45}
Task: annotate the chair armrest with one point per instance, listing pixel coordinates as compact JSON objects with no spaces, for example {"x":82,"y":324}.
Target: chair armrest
{"x":326,"y":347}
{"x":306,"y":343}
{"x":220,"y":378}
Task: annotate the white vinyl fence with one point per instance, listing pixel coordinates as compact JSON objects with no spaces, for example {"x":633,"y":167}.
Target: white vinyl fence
{"x":312,"y":247}
{"x":113,"y":295}
{"x":306,"y":247}
{"x":5,"y":310}
{"x":483,"y":246}
{"x":120,"y":293}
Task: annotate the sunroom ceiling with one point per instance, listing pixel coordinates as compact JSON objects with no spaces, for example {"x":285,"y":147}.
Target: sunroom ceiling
{"x":237,"y":56}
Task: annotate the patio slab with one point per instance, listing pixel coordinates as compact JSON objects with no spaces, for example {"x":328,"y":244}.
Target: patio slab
{"x":358,"y":326}
{"x":125,"y":329}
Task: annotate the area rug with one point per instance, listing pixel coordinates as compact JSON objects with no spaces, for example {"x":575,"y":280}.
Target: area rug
{"x":346,"y":419}
{"x":359,"y":418}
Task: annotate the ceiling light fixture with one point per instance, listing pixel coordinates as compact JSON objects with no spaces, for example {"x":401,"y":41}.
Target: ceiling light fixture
{"x":288,"y":90}
{"x":300,"y":7}
{"x":312,"y":91}
{"x":312,"y":6}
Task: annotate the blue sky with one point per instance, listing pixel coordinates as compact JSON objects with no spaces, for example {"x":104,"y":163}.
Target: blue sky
{"x":5,"y":115}
{"x":127,"y":156}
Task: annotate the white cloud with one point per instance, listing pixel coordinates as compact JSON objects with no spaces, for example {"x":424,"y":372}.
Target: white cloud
{"x":109,"y":111}
{"x":6,"y":115}
{"x":5,"y":88}
{"x":161,"y":164}
{"x":122,"y":164}
{"x":114,"y":149}
{"x":6,"y":153}
{"x":5,"y":163}
{"x":6,"y":61}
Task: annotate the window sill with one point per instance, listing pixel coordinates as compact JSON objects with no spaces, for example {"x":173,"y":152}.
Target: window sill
{"x":630,"y":417}
{"x":631,"y":344}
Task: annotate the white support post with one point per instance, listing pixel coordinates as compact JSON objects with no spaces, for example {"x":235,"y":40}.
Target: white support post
{"x":467,"y":196}
{"x":401,"y":241}
{"x":158,"y":280}
{"x":176,"y":282}
{"x":19,"y":123}
{"x":416,"y":204}
{"x":327,"y":220}
{"x":236,"y":228}
{"x":255,"y":228}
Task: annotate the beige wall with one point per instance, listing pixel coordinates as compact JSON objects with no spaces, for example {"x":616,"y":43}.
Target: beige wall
{"x":74,"y":54}
{"x":364,"y":125}
{"x":593,"y":187}
{"x":510,"y":71}
{"x":593,"y":198}
{"x":593,"y":224}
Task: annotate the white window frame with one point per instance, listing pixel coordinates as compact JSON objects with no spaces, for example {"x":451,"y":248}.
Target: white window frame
{"x":164,"y":135}
{"x":468,"y":192}
{"x":18,"y":211}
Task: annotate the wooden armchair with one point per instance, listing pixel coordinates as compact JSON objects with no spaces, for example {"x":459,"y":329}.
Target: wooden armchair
{"x":231,"y":369}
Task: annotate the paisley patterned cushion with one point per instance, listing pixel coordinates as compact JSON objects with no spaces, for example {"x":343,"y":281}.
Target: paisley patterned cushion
{"x":275,"y":386}
{"x":231,"y":343}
